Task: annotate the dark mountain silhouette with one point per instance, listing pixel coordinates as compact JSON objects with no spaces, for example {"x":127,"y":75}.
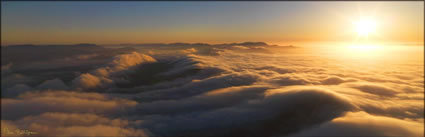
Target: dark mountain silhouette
{"x":181,"y":44}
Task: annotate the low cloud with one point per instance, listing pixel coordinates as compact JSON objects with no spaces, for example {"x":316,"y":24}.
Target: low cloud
{"x":335,"y":80}
{"x":373,"y":89}
{"x":16,"y":90}
{"x":88,"y":81}
{"x":244,"y":111}
{"x":189,"y":51}
{"x":236,"y":89}
{"x":54,"y":84}
{"x":104,"y":76}
{"x":73,"y":124}
{"x":363,"y":124}
{"x":35,"y":103}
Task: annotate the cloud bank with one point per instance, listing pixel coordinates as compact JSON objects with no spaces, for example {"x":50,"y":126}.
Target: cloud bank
{"x":234,"y":89}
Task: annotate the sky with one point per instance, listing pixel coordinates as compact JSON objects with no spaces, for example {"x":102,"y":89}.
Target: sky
{"x":207,"y":22}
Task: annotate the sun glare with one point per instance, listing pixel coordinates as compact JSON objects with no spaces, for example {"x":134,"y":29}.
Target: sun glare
{"x":365,"y":26}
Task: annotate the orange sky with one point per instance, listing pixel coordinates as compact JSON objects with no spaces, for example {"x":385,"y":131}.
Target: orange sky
{"x":207,"y":22}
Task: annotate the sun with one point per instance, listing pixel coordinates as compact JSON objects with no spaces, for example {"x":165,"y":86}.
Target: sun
{"x":364,"y":27}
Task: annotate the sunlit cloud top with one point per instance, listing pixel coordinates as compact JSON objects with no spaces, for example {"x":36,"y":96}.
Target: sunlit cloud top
{"x":212,"y":22}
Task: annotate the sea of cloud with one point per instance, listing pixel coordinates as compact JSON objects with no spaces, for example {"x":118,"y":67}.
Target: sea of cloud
{"x":238,"y":89}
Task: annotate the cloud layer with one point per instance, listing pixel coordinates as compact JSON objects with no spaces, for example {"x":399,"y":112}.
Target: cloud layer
{"x":236,"y":89}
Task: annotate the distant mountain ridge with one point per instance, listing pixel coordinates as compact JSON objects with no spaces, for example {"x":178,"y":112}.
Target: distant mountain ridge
{"x":198,"y":44}
{"x":85,"y":45}
{"x":52,"y":45}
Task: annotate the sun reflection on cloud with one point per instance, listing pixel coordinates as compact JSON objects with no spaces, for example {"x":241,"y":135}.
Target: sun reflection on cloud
{"x":360,"y":51}
{"x":363,"y":49}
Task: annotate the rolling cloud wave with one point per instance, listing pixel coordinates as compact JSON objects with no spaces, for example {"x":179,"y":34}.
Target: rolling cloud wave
{"x":212,"y":90}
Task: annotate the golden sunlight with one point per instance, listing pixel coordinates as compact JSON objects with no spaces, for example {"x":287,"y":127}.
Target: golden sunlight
{"x":365,"y":26}
{"x":363,"y":47}
{"x":364,"y":50}
{"x":361,"y":51}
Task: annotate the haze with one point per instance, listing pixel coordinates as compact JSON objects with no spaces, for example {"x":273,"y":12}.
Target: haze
{"x":208,"y":22}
